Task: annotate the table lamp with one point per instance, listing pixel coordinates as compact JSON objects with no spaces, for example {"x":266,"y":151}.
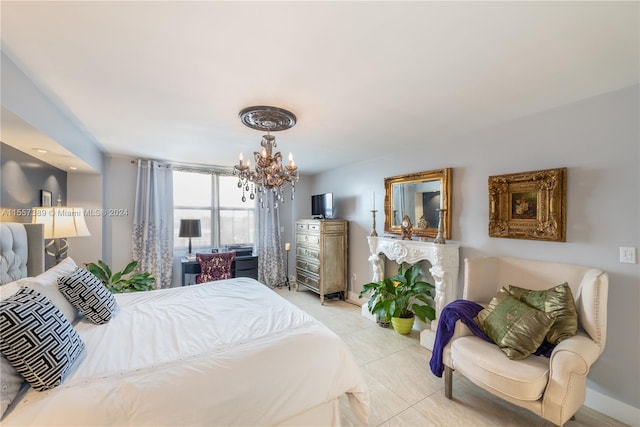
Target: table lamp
{"x":60,"y":223}
{"x":190,"y":228}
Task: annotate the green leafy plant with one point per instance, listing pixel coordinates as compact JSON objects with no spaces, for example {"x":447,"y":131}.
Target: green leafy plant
{"x":118,"y":282}
{"x":398,"y":296}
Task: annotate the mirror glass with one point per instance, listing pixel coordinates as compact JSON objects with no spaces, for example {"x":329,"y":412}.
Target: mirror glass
{"x":418,"y":195}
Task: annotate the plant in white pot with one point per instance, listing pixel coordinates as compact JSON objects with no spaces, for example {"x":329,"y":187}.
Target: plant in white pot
{"x":397,"y":298}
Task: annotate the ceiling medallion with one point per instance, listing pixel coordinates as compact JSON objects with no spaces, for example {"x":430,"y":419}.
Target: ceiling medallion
{"x":264,"y":118}
{"x":269,"y":174}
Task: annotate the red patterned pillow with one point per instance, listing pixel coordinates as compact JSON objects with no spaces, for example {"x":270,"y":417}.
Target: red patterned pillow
{"x":214,"y":266}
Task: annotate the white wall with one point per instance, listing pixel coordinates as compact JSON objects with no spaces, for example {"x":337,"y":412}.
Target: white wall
{"x":597,"y":140}
{"x":85,"y":191}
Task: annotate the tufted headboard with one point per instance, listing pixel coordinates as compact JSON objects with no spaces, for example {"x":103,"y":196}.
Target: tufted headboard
{"x":21,"y":250}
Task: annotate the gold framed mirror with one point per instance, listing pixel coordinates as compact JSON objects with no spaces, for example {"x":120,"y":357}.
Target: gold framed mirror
{"x":420,"y":196}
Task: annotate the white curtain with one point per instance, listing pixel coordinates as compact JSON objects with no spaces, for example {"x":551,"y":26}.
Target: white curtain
{"x":153,"y":221}
{"x":270,"y":256}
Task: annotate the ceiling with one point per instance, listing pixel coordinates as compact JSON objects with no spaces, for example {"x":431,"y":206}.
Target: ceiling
{"x":166,"y":80}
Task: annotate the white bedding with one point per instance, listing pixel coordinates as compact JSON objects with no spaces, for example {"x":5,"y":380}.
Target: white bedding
{"x":224,"y":353}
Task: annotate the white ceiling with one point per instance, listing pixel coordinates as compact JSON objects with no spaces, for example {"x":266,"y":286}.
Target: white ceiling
{"x":166,"y":80}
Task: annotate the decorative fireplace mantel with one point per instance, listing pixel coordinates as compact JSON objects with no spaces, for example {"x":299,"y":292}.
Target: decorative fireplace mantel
{"x":444,"y":259}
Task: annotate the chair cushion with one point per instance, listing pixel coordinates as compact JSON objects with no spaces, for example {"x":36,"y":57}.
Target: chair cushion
{"x":558,"y":302}
{"x":215,"y":266}
{"x":485,"y":364}
{"x":516,"y":327}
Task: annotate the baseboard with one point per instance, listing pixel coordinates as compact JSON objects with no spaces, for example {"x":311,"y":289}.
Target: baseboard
{"x":612,"y":408}
{"x":353,"y":298}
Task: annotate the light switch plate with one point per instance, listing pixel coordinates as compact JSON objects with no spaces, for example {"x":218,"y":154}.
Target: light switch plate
{"x":627,"y":255}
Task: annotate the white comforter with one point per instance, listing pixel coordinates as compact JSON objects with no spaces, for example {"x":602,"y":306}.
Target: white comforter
{"x":224,"y":353}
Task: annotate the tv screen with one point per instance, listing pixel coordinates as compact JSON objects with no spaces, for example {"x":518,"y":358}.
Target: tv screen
{"x":322,"y":205}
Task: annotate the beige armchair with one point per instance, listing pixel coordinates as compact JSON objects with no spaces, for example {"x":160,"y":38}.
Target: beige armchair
{"x":554,"y":388}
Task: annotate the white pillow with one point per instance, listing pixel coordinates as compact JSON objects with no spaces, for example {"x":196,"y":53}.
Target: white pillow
{"x":47,"y":284}
{"x":10,"y":383}
{"x":66,"y":267}
{"x":11,"y":288}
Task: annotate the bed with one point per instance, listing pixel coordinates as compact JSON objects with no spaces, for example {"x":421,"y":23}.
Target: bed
{"x":224,"y":353}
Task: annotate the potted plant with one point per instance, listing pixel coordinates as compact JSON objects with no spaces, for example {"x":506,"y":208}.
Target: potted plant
{"x":397,"y":298}
{"x":117,"y":282}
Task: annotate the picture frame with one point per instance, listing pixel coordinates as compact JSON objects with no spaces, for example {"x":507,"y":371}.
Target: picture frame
{"x":529,"y":205}
{"x":45,"y":198}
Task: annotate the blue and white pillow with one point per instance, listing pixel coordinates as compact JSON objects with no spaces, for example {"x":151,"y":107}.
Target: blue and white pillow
{"x":37,"y":340}
{"x":87,"y":293}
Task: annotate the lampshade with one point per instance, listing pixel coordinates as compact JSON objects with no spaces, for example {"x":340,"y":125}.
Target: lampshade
{"x":61,"y":221}
{"x":190,"y":228}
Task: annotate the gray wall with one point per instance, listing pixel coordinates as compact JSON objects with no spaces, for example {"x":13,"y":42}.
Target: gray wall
{"x":597,"y":140}
{"x":23,"y":176}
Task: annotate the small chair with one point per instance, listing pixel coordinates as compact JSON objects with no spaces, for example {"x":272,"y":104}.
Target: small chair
{"x":214,"y":266}
{"x":554,"y":388}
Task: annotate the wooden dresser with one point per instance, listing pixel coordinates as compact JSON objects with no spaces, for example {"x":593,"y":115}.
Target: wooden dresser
{"x":321,"y":256}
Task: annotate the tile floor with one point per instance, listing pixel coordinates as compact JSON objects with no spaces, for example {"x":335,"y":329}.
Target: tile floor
{"x":403,"y":391}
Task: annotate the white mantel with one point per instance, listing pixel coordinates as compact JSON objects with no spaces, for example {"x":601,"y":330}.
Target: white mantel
{"x":445,"y":263}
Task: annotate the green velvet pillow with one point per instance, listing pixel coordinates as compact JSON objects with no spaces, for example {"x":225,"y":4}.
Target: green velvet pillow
{"x":517,"y":328}
{"x":557,"y":302}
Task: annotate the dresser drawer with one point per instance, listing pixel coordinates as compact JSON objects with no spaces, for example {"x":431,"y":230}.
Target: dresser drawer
{"x":308,"y":239}
{"x":248,"y":263}
{"x":304,"y":264}
{"x":306,"y":279}
{"x":308,"y":226}
{"x":311,"y":253}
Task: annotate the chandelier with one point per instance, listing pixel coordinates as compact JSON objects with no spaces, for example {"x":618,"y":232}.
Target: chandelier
{"x":269,"y":173}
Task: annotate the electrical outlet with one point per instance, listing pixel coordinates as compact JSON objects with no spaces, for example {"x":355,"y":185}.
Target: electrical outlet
{"x":628,"y":255}
{"x":354,"y":277}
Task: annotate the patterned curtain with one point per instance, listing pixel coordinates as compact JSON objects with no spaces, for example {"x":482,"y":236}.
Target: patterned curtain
{"x":153,"y":221}
{"x":270,"y":256}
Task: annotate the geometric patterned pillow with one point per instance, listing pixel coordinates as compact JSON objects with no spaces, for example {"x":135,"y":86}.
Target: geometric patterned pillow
{"x":214,"y":266}
{"x":87,"y":293}
{"x":37,"y":339}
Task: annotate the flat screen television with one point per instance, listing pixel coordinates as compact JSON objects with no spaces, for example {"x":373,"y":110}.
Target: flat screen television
{"x":322,"y":205}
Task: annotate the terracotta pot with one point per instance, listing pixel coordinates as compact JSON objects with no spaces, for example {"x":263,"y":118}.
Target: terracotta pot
{"x":402,"y":325}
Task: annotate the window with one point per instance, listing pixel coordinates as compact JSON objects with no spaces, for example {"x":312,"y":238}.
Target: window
{"x":216,"y":201}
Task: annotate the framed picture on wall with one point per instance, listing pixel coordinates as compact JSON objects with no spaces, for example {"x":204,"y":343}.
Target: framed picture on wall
{"x":529,"y":205}
{"x":45,"y":198}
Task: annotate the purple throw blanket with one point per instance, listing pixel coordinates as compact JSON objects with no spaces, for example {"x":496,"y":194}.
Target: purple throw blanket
{"x":463,"y":310}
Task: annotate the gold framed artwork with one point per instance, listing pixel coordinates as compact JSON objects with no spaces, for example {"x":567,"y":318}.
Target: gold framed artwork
{"x":529,"y":205}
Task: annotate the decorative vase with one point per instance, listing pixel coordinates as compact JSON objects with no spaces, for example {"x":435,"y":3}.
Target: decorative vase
{"x":402,"y":325}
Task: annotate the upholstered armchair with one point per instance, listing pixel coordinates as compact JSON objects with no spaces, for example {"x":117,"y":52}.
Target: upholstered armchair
{"x":554,"y":388}
{"x":214,"y":266}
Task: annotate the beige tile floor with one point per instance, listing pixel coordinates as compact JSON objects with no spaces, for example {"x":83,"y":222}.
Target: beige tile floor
{"x":402,"y":389}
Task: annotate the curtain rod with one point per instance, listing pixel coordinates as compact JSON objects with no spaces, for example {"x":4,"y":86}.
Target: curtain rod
{"x":192,"y":167}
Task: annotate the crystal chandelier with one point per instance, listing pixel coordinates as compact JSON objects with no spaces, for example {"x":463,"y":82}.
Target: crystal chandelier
{"x":269,"y":174}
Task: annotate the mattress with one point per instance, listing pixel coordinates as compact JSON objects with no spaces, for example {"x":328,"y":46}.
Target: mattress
{"x":231,"y":352}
